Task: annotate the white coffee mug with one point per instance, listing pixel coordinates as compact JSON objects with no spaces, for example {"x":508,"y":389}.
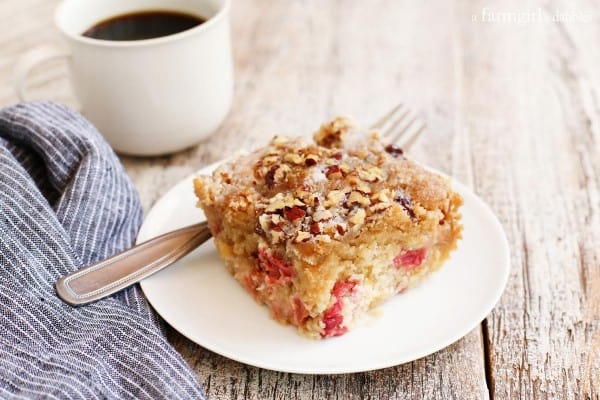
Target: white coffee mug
{"x":152,"y":96}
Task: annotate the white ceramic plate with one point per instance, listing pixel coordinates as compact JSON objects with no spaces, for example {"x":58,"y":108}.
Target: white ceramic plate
{"x":201,"y":300}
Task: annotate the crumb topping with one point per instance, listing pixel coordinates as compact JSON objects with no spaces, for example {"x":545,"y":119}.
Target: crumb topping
{"x":326,"y":190}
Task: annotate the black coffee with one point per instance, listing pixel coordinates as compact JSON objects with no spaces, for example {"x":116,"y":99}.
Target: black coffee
{"x":143,"y":25}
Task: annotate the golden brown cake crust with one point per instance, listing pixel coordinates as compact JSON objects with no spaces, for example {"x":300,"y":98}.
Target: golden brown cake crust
{"x":309,"y":206}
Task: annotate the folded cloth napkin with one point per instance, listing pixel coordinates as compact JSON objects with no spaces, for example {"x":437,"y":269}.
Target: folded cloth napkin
{"x":65,"y":202}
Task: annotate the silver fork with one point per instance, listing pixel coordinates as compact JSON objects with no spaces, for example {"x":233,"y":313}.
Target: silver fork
{"x":400,"y":126}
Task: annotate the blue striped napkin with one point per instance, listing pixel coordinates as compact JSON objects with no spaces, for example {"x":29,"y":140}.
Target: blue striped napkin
{"x":65,"y":202}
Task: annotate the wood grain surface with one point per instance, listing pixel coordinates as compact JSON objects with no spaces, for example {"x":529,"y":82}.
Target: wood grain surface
{"x":510,"y":91}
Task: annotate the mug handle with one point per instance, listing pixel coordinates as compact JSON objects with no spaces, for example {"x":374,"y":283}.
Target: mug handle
{"x":29,"y":61}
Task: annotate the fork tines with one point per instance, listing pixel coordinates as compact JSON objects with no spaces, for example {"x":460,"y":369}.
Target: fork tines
{"x":400,"y":125}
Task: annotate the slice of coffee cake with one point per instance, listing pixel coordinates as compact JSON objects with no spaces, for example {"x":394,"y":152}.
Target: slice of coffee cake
{"x":322,"y":232}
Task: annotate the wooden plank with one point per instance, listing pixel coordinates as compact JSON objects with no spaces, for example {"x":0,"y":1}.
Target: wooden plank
{"x":26,"y":24}
{"x":450,"y":374}
{"x":532,"y":101}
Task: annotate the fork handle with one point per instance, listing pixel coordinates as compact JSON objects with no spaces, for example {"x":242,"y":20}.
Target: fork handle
{"x":108,"y":276}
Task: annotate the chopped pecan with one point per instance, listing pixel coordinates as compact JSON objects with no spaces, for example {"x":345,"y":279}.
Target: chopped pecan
{"x":279,"y":140}
{"x":316,"y":201}
{"x":276,"y":203}
{"x":358,"y":218}
{"x":268,"y":160}
{"x":330,"y":135}
{"x":379,"y":207}
{"x":363,"y":188}
{"x":294,"y":213}
{"x":294,"y":158}
{"x":353,"y":180}
{"x":323,"y":238}
{"x":372,"y":174}
{"x":315,"y":228}
{"x":302,"y":237}
{"x":322,"y":215}
{"x":299,"y":203}
{"x":335,"y":198}
{"x":277,"y":236}
{"x":357,"y":197}
{"x":281,"y":172}
{"x":333,"y":172}
{"x":341,"y":228}
{"x":311,"y":159}
{"x":381,"y":196}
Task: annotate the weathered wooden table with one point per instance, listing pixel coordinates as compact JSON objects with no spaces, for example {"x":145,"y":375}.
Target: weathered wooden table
{"x":511,"y":93}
